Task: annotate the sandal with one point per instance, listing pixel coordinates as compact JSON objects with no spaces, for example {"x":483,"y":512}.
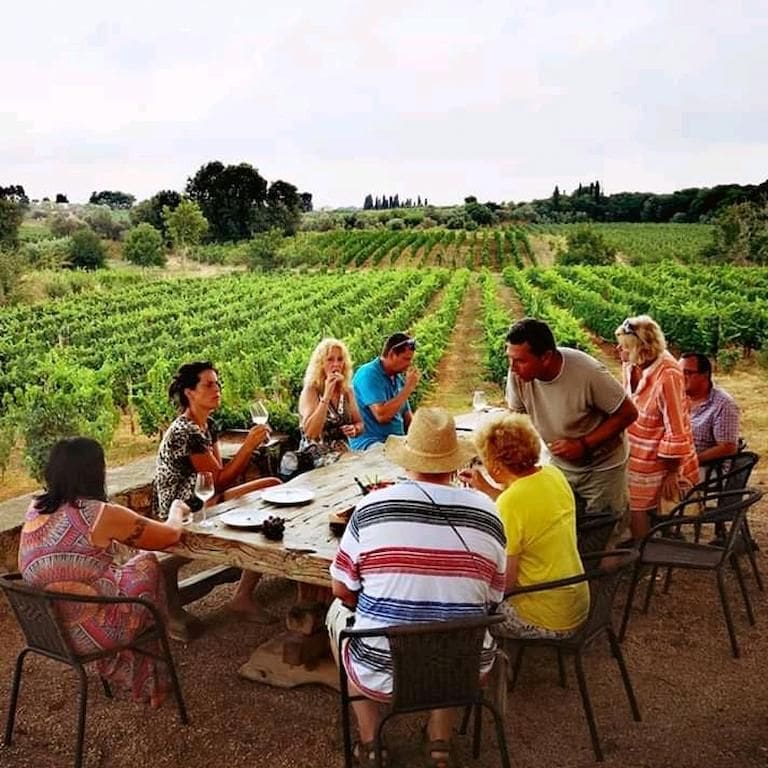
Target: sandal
{"x":365,"y":754}
{"x":439,"y":753}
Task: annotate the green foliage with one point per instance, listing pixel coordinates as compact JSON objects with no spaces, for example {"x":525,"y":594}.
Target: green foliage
{"x":587,"y":246}
{"x":395,"y":224}
{"x":48,"y":254}
{"x":12,"y":267}
{"x":727,"y":359}
{"x":496,"y":323}
{"x":62,"y":225}
{"x":104,"y":221}
{"x":11,"y":215}
{"x":61,"y":399}
{"x":87,"y":250}
{"x":144,"y":246}
{"x":740,"y":235}
{"x":482,"y":215}
{"x":113,"y":199}
{"x":151,"y":211}
{"x":232,"y":199}
{"x":263,"y":249}
{"x":185,"y":225}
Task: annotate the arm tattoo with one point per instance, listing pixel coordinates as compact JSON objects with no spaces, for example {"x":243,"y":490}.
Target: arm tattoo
{"x":136,"y":533}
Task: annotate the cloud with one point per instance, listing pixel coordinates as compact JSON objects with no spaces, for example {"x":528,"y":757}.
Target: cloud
{"x":443,"y":99}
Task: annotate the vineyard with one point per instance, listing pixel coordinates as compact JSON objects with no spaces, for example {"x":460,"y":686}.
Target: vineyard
{"x":74,"y":363}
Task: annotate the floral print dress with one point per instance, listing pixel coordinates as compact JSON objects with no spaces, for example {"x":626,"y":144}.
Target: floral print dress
{"x":56,"y":553}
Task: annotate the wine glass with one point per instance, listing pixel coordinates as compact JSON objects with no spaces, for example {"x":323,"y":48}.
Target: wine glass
{"x":260,"y":416}
{"x":204,"y":491}
{"x":479,"y":401}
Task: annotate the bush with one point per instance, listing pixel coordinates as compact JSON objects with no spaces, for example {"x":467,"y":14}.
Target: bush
{"x":102,"y":220}
{"x":395,"y":224}
{"x":263,"y":249}
{"x":727,"y":358}
{"x":48,"y":254}
{"x":87,"y":251}
{"x":144,"y":246}
{"x":587,"y":246}
{"x":65,"y":400}
{"x":12,"y":265}
{"x":62,"y":225}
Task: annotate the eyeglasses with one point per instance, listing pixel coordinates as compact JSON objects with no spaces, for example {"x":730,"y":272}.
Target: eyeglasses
{"x":403,"y":345}
{"x":628,"y":329}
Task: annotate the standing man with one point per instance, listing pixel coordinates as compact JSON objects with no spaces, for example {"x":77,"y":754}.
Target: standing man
{"x":579,"y":410}
{"x":714,"y":413}
{"x":382,"y":388}
{"x":418,"y":551}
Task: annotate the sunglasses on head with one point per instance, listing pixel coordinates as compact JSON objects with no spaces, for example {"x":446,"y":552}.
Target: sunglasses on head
{"x":627,"y":328}
{"x":403,"y":345}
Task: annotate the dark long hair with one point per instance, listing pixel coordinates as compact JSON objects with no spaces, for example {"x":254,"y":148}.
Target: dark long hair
{"x":187,"y":377}
{"x":75,"y":469}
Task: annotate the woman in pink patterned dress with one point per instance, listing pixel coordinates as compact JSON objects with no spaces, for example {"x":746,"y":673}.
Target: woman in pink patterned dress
{"x":66,"y":547}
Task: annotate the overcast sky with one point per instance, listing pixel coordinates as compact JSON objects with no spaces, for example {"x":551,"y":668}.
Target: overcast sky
{"x":500,"y":99}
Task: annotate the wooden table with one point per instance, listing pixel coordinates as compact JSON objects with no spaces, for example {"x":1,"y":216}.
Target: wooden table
{"x":304,"y":554}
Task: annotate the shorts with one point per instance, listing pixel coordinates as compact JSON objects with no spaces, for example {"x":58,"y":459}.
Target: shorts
{"x":516,"y":627}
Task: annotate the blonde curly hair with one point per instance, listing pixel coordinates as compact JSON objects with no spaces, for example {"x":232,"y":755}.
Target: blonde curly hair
{"x":510,"y":440}
{"x":642,"y":339}
{"x":315,"y":375}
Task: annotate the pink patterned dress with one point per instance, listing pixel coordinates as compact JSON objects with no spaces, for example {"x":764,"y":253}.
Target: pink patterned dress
{"x":56,"y":553}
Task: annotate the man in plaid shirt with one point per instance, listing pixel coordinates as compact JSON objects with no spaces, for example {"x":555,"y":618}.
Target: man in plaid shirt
{"x":714,"y":413}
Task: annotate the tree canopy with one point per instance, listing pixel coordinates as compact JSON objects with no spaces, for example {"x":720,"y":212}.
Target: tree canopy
{"x":112,"y":198}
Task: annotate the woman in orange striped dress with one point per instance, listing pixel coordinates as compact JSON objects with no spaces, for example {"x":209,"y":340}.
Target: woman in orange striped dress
{"x":662,"y":456}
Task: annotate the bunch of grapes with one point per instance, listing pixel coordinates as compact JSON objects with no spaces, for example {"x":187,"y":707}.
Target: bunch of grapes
{"x":273,"y":528}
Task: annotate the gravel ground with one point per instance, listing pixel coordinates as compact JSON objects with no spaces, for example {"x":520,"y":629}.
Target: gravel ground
{"x":699,"y":705}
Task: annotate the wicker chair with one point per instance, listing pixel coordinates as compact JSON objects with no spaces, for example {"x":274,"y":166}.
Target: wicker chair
{"x":604,"y":570}
{"x":435,"y":665}
{"x":657,"y":551}
{"x":36,"y":613}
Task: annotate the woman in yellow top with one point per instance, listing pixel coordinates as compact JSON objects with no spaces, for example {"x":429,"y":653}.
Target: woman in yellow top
{"x":538,"y":511}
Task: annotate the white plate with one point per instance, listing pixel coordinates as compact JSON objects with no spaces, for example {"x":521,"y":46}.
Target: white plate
{"x":281,"y":494}
{"x":244,"y":518}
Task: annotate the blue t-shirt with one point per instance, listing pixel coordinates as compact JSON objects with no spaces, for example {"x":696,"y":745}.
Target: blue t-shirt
{"x":372,"y":385}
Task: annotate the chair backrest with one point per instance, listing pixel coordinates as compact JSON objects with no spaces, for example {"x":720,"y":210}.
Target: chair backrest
{"x":728,"y":473}
{"x":603,"y":573}
{"x":593,"y":532}
{"x":437,"y":664}
{"x":35,"y":612}
{"x":732,"y":506}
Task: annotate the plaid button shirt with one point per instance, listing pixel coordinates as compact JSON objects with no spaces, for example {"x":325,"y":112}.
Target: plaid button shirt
{"x":716,"y":420}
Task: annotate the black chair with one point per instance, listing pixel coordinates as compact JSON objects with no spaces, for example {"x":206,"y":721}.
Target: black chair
{"x":658,"y":551}
{"x":593,"y":532}
{"x":604,"y":570}
{"x":36,"y":613}
{"x":435,"y":665}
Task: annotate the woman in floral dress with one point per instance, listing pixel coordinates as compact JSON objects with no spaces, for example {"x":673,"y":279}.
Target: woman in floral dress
{"x":66,"y":547}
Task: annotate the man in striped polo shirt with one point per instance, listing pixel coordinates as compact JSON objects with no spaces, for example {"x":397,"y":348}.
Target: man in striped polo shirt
{"x":418,"y":551}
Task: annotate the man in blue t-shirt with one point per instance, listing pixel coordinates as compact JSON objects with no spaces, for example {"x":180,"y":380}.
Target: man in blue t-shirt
{"x":382,"y":388}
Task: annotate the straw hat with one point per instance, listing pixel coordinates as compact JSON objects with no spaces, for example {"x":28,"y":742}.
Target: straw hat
{"x":431,"y":444}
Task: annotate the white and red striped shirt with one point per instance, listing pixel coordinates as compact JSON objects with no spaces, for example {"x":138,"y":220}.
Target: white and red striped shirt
{"x":417,"y":552}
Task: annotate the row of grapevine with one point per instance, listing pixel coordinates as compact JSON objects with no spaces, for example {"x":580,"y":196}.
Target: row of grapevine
{"x":496,"y":322}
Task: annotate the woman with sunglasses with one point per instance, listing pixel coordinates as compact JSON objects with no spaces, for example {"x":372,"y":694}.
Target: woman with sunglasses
{"x":190,"y":445}
{"x":662,"y":456}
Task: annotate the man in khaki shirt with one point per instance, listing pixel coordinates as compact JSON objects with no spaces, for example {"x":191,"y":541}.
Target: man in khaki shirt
{"x":579,"y":410}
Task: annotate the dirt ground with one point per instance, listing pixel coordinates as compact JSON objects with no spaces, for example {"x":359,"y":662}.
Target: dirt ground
{"x":699,"y":705}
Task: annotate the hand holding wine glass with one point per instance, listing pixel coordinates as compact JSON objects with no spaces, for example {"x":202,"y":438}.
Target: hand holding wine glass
{"x":260,"y":418}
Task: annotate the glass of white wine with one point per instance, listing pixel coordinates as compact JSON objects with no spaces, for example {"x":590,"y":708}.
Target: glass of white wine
{"x":479,"y":401}
{"x":204,"y":490}
{"x":259,"y":417}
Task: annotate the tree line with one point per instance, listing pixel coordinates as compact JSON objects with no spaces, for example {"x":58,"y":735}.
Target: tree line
{"x":389,"y":202}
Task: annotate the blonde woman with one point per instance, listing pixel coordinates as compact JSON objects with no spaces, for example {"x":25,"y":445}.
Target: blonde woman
{"x":662,"y":454}
{"x":538,"y":511}
{"x":327,"y":407}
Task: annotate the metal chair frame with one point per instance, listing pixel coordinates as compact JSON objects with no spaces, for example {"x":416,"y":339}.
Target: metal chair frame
{"x":35,"y":611}
{"x":603,"y":580}
{"x":726,"y":506}
{"x":430,"y":671}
